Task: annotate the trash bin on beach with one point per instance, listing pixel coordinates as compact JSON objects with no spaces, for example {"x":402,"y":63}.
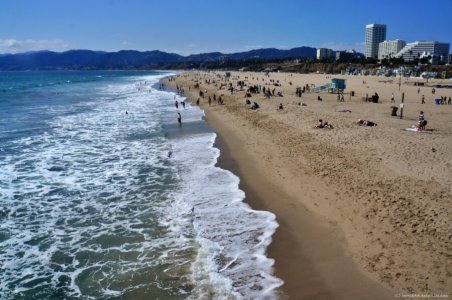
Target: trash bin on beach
{"x":394,"y":110}
{"x":437,"y":101}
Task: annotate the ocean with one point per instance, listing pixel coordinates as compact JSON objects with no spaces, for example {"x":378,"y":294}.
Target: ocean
{"x":104,"y":196}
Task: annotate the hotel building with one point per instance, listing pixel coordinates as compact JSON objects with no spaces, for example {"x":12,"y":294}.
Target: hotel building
{"x":388,"y":49}
{"x":375,"y":34}
{"x":438,"y":51}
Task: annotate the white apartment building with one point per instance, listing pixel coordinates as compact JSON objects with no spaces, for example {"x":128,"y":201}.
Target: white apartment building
{"x":325,"y":53}
{"x":388,"y":49}
{"x":375,"y":34}
{"x":438,"y":51}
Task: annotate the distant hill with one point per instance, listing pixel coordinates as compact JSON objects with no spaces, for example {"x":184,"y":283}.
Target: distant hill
{"x":83,"y":59}
{"x":131,"y":59}
{"x":272,"y":53}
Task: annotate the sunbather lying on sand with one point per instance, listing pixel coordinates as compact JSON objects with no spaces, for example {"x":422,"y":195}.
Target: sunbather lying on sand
{"x":323,"y":125}
{"x":345,"y":110}
{"x":366,"y":123}
{"x":327,"y":125}
{"x":319,"y":125}
{"x":254,"y":106}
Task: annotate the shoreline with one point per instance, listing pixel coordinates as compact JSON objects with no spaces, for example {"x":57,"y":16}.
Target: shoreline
{"x":368,"y":202}
{"x":309,"y":251}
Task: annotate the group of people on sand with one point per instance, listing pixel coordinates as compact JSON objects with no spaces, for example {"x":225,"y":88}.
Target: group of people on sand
{"x":299,"y":91}
{"x":327,"y":125}
{"x":422,"y":123}
{"x":444,"y":100}
{"x":268,"y":92}
{"x":375,"y":97}
{"x":322,"y":124}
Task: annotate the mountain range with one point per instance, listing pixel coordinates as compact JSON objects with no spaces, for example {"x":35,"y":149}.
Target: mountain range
{"x":132,"y":59}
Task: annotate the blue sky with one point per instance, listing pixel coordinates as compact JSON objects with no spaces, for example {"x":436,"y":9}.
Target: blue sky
{"x":197,"y":26}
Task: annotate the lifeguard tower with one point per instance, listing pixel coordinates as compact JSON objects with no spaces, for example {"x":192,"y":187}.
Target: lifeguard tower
{"x":336,"y":86}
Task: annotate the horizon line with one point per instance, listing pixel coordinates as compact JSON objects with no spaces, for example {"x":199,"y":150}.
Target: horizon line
{"x":105,"y":51}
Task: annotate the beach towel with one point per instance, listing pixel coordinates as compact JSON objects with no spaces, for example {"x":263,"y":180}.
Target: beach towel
{"x":412,"y":129}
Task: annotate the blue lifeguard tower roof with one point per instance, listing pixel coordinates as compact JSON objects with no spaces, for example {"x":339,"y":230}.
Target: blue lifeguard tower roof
{"x":337,"y":83}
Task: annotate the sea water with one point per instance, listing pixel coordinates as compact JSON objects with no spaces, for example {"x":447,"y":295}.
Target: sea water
{"x":104,"y":196}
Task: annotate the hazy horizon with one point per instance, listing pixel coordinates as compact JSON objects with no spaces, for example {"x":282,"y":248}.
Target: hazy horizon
{"x":46,"y":50}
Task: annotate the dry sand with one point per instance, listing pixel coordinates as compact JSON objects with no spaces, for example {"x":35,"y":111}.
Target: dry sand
{"x":364,"y":212}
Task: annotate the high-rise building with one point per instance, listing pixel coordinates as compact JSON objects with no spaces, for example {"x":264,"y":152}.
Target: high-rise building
{"x":323,"y":53}
{"x":436,"y":50}
{"x":375,"y":34}
{"x":388,"y":49}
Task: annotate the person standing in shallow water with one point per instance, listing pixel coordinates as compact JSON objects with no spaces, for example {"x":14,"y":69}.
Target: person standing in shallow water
{"x":179,"y":118}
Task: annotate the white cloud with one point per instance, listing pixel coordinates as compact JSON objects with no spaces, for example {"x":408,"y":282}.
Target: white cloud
{"x":15,"y":46}
{"x":253,"y":47}
{"x":125,"y":43}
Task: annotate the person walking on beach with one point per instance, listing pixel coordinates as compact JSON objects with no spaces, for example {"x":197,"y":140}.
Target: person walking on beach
{"x":210,"y":100}
{"x":423,"y":99}
{"x":183,"y":104}
{"x":179,"y":118}
{"x":392,"y":98}
{"x":176,"y":103}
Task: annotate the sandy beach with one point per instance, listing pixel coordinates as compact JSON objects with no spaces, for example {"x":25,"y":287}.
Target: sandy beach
{"x":363,"y":212}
